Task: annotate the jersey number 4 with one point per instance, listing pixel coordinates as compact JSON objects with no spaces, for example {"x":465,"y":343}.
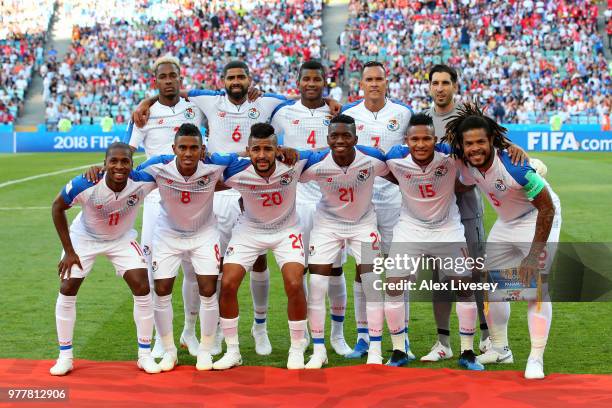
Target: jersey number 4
{"x":312,"y":139}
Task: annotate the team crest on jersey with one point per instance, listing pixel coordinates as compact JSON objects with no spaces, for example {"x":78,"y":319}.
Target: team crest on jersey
{"x":393,"y":125}
{"x":295,"y":122}
{"x":327,"y":120}
{"x":253,"y":113}
{"x":146,"y":250}
{"x":441,"y":170}
{"x":499,"y":184}
{"x":154,"y":266}
{"x":221,"y":114}
{"x":286,"y":178}
{"x":203,"y":181}
{"x":132,"y":200}
{"x":311,"y":250}
{"x":363,"y":175}
{"x":189,"y":113}
{"x":229,"y":251}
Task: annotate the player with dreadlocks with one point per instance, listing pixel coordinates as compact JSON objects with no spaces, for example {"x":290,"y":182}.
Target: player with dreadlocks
{"x":526,"y":207}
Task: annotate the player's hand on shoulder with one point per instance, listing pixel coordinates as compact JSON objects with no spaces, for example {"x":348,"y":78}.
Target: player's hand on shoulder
{"x":141,"y":115}
{"x":334,"y":106}
{"x":288,"y":155}
{"x":518,"y":155}
{"x":65,"y":264}
{"x":253,"y":94}
{"x":94,"y":174}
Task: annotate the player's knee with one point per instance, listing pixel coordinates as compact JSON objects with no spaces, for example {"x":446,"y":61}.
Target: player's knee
{"x":229,"y":287}
{"x":207,"y":289}
{"x":294,"y":287}
{"x":141,"y":288}
{"x":69,"y":287}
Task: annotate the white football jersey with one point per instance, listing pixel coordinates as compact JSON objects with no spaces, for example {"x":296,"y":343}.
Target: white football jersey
{"x":229,"y":125}
{"x":157,"y":136}
{"x":347,"y":192}
{"x":383,"y":129}
{"x":507,"y":187}
{"x":186,"y":202}
{"x":428,"y":194}
{"x":106,"y":215}
{"x":303,"y":128}
{"x":269,"y":203}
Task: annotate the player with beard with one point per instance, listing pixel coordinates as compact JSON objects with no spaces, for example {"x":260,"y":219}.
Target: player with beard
{"x":528,"y":224}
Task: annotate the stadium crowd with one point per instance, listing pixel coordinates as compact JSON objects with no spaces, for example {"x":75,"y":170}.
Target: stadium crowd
{"x":23,"y":29}
{"x":525,"y":59}
{"x":112,"y":39}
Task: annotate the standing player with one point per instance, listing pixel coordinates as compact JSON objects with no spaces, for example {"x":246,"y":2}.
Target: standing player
{"x":442,"y":89}
{"x":104,"y":227}
{"x":527,"y":210}
{"x":381,"y":123}
{"x":304,"y":125}
{"x":186,"y":230}
{"x":167,"y":114}
{"x":345,"y":214}
{"x":268,"y":189}
{"x":429,"y":224}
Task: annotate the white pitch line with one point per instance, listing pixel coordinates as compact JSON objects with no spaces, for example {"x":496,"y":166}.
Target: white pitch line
{"x":53,"y":173}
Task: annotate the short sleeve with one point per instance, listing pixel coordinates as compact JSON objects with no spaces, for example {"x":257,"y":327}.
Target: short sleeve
{"x":160,"y":159}
{"x":222,"y":159}
{"x":72,"y":191}
{"x":134,"y":135}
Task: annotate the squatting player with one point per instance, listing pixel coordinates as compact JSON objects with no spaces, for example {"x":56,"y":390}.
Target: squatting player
{"x":105,"y":226}
{"x":345,"y":174}
{"x":268,"y":189}
{"x":527,"y":209}
{"x":186,"y":230}
{"x":429,"y":224}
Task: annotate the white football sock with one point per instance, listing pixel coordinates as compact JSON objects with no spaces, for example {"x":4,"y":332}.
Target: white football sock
{"x":191,"y":298}
{"x":394,"y":313}
{"x":361,"y":318}
{"x":337,"y":304}
{"x":407,"y":310}
{"x":497,"y":320}
{"x":260,"y":289}
{"x":65,"y":317}
{"x":466,"y":314}
{"x":316,"y":310}
{"x":296,"y":330}
{"x":539,"y":327}
{"x":163,"y":320}
{"x":230,"y":332}
{"x":209,"y":319}
{"x":143,"y":317}
{"x":374,"y":305}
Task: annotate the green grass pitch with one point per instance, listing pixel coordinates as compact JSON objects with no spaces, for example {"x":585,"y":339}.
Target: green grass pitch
{"x":578,"y":342}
